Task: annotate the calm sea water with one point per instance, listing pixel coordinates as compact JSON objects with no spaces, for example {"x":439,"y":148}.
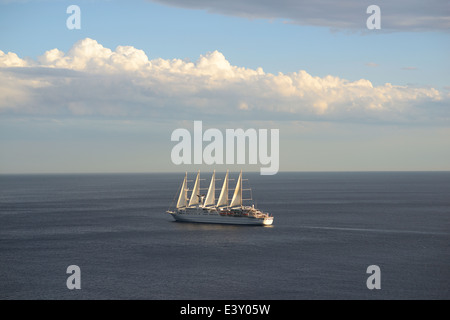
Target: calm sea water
{"x":328,"y":228}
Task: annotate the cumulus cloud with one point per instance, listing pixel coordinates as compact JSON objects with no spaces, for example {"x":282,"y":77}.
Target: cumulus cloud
{"x":400,"y":15}
{"x":11,"y":59}
{"x":93,"y":80}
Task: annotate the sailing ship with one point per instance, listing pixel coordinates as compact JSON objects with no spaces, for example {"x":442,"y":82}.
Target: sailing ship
{"x":205,"y":209}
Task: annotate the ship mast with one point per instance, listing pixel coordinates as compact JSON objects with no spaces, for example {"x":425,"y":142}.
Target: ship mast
{"x":237,"y":196}
{"x":195,"y":192}
{"x":211,"y":195}
{"x":223,"y":198}
{"x":182,"y":198}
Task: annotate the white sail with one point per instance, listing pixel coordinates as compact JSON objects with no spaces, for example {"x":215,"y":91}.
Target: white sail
{"x":223,"y":198}
{"x":182,"y":199}
{"x":237,"y":196}
{"x":195,"y":192}
{"x":211,"y":195}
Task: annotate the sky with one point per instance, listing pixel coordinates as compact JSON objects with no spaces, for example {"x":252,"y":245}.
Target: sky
{"x":107,"y":97}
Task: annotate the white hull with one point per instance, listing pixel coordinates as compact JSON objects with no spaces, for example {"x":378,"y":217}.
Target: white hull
{"x":222,"y":219}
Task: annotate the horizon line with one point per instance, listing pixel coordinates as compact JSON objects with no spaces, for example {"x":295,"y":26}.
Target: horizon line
{"x":193,"y":171}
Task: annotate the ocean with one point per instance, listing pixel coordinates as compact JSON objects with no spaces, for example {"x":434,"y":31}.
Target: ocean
{"x":328,"y":229}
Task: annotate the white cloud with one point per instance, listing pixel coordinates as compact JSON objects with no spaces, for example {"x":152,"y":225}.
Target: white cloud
{"x":93,"y":80}
{"x":11,"y":59}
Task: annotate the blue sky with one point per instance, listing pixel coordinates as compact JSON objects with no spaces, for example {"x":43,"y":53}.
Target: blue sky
{"x":30,"y":28}
{"x":42,"y":131}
